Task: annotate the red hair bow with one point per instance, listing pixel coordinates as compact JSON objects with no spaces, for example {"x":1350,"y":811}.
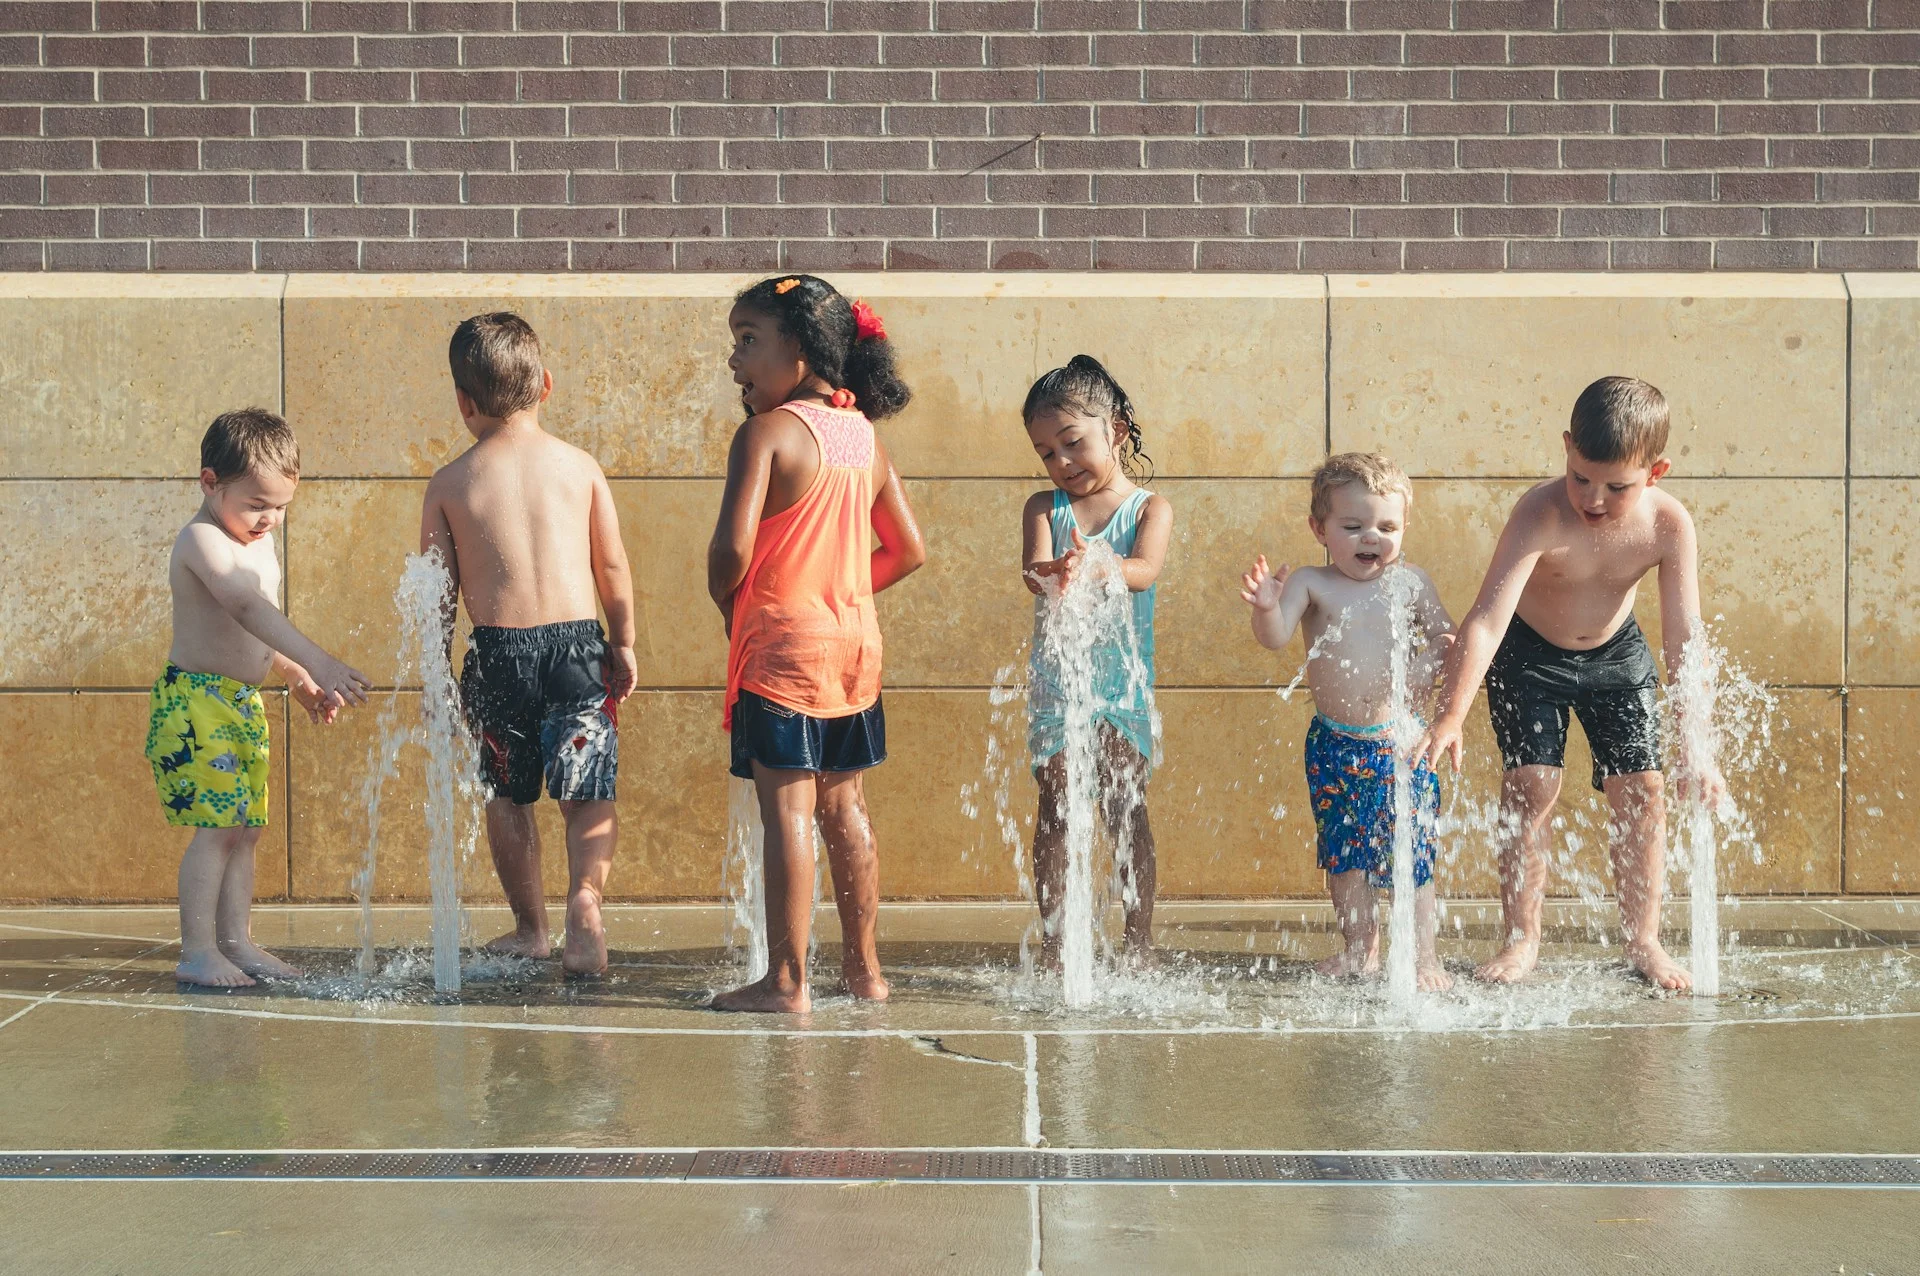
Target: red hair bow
{"x":866,"y":324}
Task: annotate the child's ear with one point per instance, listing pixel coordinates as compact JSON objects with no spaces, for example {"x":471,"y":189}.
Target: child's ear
{"x":1658,"y":470}
{"x":209,"y":482}
{"x":464,"y":403}
{"x":1318,"y":528}
{"x":546,"y":383}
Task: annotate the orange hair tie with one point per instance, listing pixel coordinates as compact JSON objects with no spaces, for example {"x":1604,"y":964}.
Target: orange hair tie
{"x":785,"y":286}
{"x":842,"y":398}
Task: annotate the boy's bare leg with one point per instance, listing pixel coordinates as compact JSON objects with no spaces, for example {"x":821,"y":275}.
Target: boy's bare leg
{"x":1637,"y":837}
{"x":787,"y":803}
{"x":514,"y":840}
{"x":1427,"y":970}
{"x":1050,"y":855}
{"x":592,"y":830}
{"x":203,"y":870}
{"x":854,"y":860}
{"x":1353,"y":912}
{"x":1124,"y":789}
{"x":233,"y":918}
{"x":1527,"y":795}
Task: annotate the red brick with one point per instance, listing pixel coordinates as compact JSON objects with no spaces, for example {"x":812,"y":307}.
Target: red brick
{"x":444,"y":188}
{"x":1400,"y":15}
{"x":1714,"y":221}
{"x":1147,"y":254}
{"x":674,"y":86}
{"x":1561,"y":118}
{"x":1475,"y":84}
{"x":756,"y":85}
{"x":99,"y":50}
{"x":1010,"y":121}
{"x":569,"y":15}
{"x":1455,"y":119}
{"x":356,"y":156}
{"x":622,"y":254}
{"x":839,"y":188}
{"x":777,"y":221}
{"x":883,"y":86}
{"x":948,"y":254}
{"x":516,"y":121}
{"x":463,"y":223}
{"x":1819,"y":83}
{"x":823,"y":256}
{"x":1454,"y":254}
{"x":1350,"y":188}
{"x":138,"y":156}
{"x":993,"y":222}
{"x":1663,"y":48}
{"x":1147,"y":121}
{"x":147,"y":15}
{"x":1341,"y":121}
{"x":1142,"y":49}
{"x":202,"y":254}
{"x":410,"y":121}
{"x":1456,"y":50}
{"x":777,"y":15}
{"x":1713,"y":15}
{"x":202,"y":121}
{"x":1787,"y":15}
{"x":890,"y":154}
{"x":731,"y":255}
{"x":1284,"y":222}
{"x":256,"y":223}
{"x":727,"y":121}
{"x":1509,"y":223}
{"x":671,"y":15}
{"x":46,"y":86}
{"x":529,"y":157}
{"x":819,"y":50}
{"x":463,"y":15}
{"x":57,"y":15}
{"x":1820,"y":152}
{"x":621,"y":121}
{"x":1349,"y":255}
{"x":307,"y":254}
{"x":1248,"y":50}
{"x":1556,"y":254}
{"x":1868,"y":254}
{"x":1766,"y":187}
{"x":1202,"y":85}
{"x":408,"y":51}
{"x":1264,"y":120}
{"x":1762,"y":254}
{"x":1300,"y":153}
{"x":1403,"y":153}
{"x":364,"y":86}
{"x":1040,"y":188}
{"x":110,"y":255}
{"x":933,"y":50}
{"x":1557,"y":188}
{"x":1298,"y":86}
{"x":1042,"y":254}
{"x":568,"y":223}
{"x":723,"y":50}
{"x":770,"y":155}
{"x":1252,"y":256}
{"x":295,"y":121}
{"x":1196,"y":153}
{"x":517,"y":51}
{"x":1296,"y":15}
{"x":1661,"y":254}
{"x":1503,"y":15}
{"x":412,"y":254}
{"x":987,"y":15}
{"x":1573,"y":49}
{"x":358,"y":15}
{"x":1191,"y":15}
{"x":459,"y":156}
{"x":1382,"y":49}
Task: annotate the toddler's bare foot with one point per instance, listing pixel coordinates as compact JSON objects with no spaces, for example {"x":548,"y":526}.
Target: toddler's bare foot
{"x":519,"y":943}
{"x":256,"y":960}
{"x":1657,"y":968}
{"x":1050,"y":955}
{"x":766,"y":996}
{"x":1431,"y":976}
{"x":1142,"y":957}
{"x":1348,"y":964}
{"x":1512,"y":963}
{"x":585,"y":949}
{"x":211,"y":970}
{"x":865,"y":984}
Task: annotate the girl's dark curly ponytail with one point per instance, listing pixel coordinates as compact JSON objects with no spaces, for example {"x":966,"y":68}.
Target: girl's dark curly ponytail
{"x":1086,"y":386}
{"x":821,"y":320}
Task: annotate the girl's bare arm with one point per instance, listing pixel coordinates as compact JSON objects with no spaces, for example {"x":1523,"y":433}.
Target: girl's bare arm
{"x":1150,"y":541}
{"x":1036,"y":540}
{"x":730,"y":553}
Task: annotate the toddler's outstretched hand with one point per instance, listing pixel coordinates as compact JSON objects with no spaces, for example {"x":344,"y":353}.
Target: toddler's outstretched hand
{"x":320,"y":707}
{"x":1064,"y":566}
{"x":1261,"y":586}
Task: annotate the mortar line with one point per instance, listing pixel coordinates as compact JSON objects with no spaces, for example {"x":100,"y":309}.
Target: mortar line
{"x":1902,"y":949}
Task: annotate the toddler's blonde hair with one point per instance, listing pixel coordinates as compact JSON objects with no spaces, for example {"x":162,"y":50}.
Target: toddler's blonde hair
{"x":1374,"y":471}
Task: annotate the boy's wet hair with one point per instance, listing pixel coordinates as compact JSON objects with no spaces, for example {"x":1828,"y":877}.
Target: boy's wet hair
{"x":1085,"y":387}
{"x":238,"y":443}
{"x":1620,"y":419}
{"x":496,"y":360}
{"x":820,"y":320}
{"x":1375,"y":471}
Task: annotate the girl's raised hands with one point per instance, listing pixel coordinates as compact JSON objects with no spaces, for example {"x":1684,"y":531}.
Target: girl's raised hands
{"x":1261,"y":586}
{"x":1064,"y":566}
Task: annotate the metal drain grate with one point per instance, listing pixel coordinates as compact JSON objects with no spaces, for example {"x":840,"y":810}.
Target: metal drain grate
{"x":1397,"y":1169}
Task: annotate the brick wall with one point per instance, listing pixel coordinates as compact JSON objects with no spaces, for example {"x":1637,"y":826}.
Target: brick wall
{"x":959,"y":134}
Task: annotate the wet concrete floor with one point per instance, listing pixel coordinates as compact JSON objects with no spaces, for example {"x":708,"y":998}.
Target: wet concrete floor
{"x":1232,"y":1046}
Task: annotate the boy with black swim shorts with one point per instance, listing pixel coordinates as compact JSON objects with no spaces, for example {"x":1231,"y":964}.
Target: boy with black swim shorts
{"x":527,"y":528}
{"x":1553,"y":633}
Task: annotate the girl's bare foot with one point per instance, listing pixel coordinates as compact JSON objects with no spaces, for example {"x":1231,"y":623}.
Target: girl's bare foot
{"x":255,"y":960}
{"x":1431,"y":976}
{"x":1348,"y":964}
{"x":520,"y":943}
{"x":867,"y":985}
{"x":766,"y":996}
{"x":585,"y":949}
{"x":1657,"y":968}
{"x":1142,"y":957}
{"x":1511,"y":964}
{"x":211,"y":970}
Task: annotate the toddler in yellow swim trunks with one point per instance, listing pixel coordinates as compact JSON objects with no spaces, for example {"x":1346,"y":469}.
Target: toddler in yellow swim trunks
{"x":207,"y":736}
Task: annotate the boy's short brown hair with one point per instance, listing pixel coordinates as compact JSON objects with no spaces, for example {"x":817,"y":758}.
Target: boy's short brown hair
{"x":1374,"y":471}
{"x":247,"y":440}
{"x":1620,"y":419}
{"x":496,"y":361}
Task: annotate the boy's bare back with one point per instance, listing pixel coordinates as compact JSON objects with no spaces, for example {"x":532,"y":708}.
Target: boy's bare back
{"x":521,"y":518}
{"x":1579,"y":579}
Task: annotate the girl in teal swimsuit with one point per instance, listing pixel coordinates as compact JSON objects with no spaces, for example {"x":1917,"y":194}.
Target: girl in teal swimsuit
{"x":1083,"y":429}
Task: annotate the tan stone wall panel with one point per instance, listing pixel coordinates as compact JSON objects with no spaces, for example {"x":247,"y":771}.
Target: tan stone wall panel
{"x":1886,"y":377}
{"x":1883,"y":791}
{"x":965,"y":617}
{"x":681,"y":640}
{"x":1883,"y":583}
{"x":86,"y":602}
{"x":672,"y":808}
{"x":347,"y":544}
{"x":87,"y":757}
{"x":111,"y":376}
{"x":1476,"y":375}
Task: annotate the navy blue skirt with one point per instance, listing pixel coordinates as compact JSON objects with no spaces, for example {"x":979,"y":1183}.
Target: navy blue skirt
{"x":784,"y":739}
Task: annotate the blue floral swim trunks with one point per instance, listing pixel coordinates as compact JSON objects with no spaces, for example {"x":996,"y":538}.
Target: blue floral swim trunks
{"x":1350,"y":783}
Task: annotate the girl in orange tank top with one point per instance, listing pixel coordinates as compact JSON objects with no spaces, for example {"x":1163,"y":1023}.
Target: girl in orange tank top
{"x":793,"y":571}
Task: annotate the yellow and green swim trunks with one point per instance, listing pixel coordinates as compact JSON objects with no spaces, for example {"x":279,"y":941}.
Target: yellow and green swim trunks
{"x":207,"y":741}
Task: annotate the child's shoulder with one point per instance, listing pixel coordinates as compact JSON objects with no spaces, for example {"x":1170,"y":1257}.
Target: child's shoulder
{"x":202,"y":541}
{"x":1041,"y":502}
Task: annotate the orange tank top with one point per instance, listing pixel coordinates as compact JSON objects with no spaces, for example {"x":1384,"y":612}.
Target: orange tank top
{"x":805,"y":634}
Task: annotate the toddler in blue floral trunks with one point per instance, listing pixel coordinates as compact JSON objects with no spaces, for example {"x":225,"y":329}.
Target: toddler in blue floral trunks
{"x":1359,"y":512}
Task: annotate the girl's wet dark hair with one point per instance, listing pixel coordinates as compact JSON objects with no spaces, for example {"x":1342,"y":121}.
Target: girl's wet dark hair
{"x":1086,"y":387}
{"x":815,"y":314}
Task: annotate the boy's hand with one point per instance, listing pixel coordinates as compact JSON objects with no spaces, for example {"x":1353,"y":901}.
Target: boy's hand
{"x":623,"y":670}
{"x":1442,"y":739}
{"x":1261,"y":587}
{"x":1704,"y":785}
{"x":308,"y":695}
{"x":340,"y":683}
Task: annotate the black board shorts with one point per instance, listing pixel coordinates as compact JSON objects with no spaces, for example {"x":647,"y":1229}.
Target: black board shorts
{"x":538,"y":700}
{"x":783,"y":739}
{"x":1614,"y":689}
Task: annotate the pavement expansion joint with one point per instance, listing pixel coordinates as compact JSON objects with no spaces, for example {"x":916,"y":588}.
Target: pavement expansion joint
{"x":989,"y":1165}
